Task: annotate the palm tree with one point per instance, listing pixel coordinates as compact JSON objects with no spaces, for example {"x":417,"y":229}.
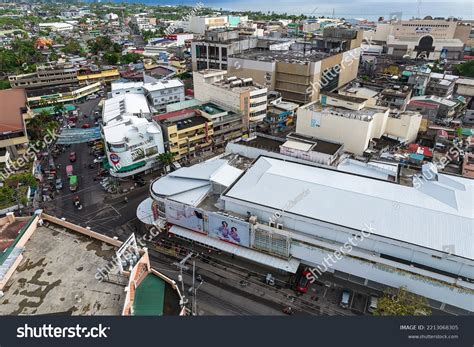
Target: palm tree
{"x":166,"y":159}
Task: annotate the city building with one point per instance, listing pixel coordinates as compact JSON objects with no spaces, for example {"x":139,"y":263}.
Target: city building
{"x":380,"y":227}
{"x":433,"y":107}
{"x":60,"y":94}
{"x":45,"y":76}
{"x":241,"y":94}
{"x":133,"y":142}
{"x":87,"y":77}
{"x":141,"y":21}
{"x":429,"y":38}
{"x":395,"y":98}
{"x":214,"y":50}
{"x":13,"y":136}
{"x":323,"y":64}
{"x":187,"y":133}
{"x":281,"y":116}
{"x":200,"y":24}
{"x":158,"y":93}
{"x":50,"y":266}
{"x":441,"y":85}
{"x":349,"y":120}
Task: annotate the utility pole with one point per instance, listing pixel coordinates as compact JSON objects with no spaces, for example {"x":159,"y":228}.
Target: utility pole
{"x":181,"y":265}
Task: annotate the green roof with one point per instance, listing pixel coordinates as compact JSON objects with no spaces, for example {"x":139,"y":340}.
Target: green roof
{"x":50,"y":109}
{"x":149,"y":297}
{"x":467,"y":132}
{"x":407,"y":73}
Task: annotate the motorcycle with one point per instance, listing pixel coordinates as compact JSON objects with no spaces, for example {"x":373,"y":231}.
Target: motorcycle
{"x":77,"y":203}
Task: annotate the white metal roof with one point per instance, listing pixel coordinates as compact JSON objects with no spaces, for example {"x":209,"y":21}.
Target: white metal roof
{"x":301,"y":146}
{"x":127,"y":104}
{"x":290,"y":265}
{"x":439,"y":215}
{"x":190,"y":185}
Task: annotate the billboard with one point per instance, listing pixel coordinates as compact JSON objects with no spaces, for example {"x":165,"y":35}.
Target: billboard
{"x":185,"y":216}
{"x":229,"y":229}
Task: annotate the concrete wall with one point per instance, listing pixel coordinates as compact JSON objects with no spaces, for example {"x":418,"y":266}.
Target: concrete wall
{"x":405,"y":127}
{"x":353,"y":133}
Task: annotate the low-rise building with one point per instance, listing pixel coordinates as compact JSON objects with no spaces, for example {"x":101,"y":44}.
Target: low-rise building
{"x":350,"y":121}
{"x":133,"y":142}
{"x":326,"y":211}
{"x":241,"y":94}
{"x":57,"y":27}
{"x":434,"y":107}
{"x":187,"y":133}
{"x":45,"y":76}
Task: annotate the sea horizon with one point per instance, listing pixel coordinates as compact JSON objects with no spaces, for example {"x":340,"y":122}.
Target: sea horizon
{"x":370,"y":10}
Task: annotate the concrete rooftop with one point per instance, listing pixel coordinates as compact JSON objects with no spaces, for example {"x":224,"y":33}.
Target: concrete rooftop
{"x":56,"y":276}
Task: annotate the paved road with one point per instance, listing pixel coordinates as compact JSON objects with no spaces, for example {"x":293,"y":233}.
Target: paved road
{"x":102,"y":211}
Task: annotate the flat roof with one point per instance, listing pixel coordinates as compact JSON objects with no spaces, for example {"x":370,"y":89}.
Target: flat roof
{"x":438,"y":215}
{"x":297,"y":56}
{"x":57,"y":276}
{"x":12,"y":102}
{"x":319,"y":145}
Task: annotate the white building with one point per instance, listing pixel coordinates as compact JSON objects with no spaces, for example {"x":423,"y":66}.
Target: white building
{"x":57,"y":27}
{"x":133,"y":143}
{"x":349,"y":120}
{"x":377,"y":233}
{"x":159,"y":94}
{"x":232,"y":92}
{"x":428,"y":38}
{"x":199,"y":24}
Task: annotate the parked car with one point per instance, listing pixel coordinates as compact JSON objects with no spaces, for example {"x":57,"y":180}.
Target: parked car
{"x":303,"y":282}
{"x":345,"y":298}
{"x":86,"y":126}
{"x":59,"y":184}
{"x":72,"y":157}
{"x":98,"y":160}
{"x":372,"y":304}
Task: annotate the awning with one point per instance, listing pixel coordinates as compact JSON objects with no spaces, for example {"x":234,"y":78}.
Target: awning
{"x":247,"y":253}
{"x":132,"y":167}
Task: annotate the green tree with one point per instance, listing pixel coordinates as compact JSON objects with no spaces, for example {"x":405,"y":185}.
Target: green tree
{"x":111,"y":58}
{"x":130,"y":58}
{"x":402,"y":303}
{"x":72,"y":47}
{"x":465,"y":69}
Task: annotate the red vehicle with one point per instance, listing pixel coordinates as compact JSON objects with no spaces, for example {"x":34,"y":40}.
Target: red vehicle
{"x":72,"y":119}
{"x":303,"y":282}
{"x":72,"y":157}
{"x":86,"y":126}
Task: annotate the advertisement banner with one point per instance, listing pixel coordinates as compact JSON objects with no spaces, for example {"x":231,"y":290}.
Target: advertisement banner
{"x":185,"y":216}
{"x":229,"y":229}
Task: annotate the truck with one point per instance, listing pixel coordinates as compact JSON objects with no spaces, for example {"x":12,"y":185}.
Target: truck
{"x":73,"y":183}
{"x":69,"y":170}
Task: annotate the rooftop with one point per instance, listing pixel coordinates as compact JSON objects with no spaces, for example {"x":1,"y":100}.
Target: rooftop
{"x":294,"y":57}
{"x":57,"y":276}
{"x":426,"y":216}
{"x":317,"y":145}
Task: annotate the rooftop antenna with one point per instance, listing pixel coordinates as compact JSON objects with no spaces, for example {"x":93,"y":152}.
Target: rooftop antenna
{"x":333,"y":13}
{"x":418,"y":10}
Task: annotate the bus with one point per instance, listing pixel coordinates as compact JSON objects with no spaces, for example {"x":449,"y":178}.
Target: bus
{"x":73,"y":183}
